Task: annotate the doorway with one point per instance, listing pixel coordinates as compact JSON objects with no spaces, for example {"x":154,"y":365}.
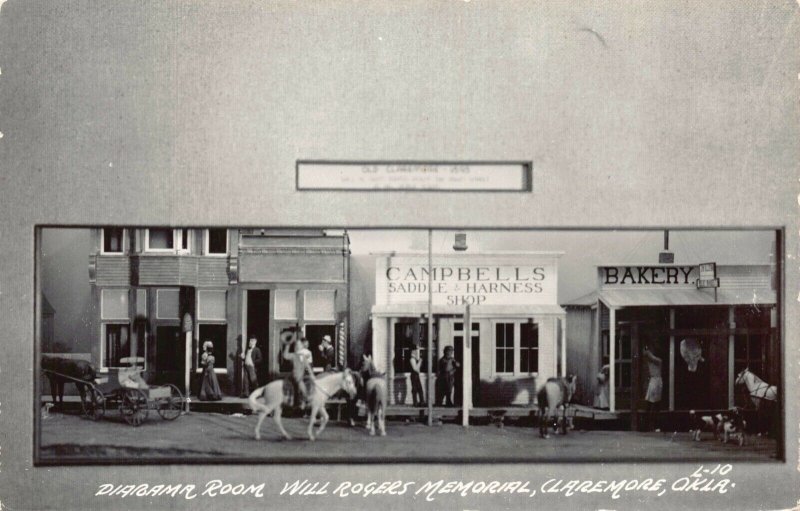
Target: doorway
{"x":258,"y":326}
{"x":169,"y":356}
{"x":458,"y":352}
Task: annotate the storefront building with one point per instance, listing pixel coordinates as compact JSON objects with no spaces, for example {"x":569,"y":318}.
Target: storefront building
{"x":665,"y":308}
{"x":160,"y":293}
{"x":516,"y":327}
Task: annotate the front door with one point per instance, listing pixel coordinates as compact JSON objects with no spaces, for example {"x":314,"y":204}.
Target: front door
{"x":457,"y":329}
{"x":169,"y":356}
{"x":258,"y":327}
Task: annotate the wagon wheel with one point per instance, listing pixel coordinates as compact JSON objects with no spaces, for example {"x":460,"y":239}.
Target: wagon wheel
{"x":133,"y":406}
{"x":94,"y":406}
{"x":170,"y":408}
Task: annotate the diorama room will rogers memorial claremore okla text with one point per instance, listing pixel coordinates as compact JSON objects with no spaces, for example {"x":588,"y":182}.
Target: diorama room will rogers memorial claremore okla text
{"x":407,"y":344}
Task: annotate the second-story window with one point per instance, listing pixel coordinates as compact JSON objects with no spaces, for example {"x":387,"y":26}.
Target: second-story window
{"x":113,"y":240}
{"x":160,"y":240}
{"x":168,"y":240}
{"x":216,"y":241}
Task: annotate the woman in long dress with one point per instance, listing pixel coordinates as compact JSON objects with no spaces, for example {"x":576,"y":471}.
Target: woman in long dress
{"x":209,"y":390}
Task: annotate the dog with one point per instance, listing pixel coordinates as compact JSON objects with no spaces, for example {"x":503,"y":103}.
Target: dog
{"x":733,"y":428}
{"x":701,"y":423}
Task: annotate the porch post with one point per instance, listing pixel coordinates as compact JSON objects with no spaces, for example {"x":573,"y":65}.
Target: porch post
{"x":431,"y":393}
{"x":563,"y":321}
{"x":612,"y":348}
{"x":466,"y":369}
{"x":731,"y":356}
{"x":671,"y":360}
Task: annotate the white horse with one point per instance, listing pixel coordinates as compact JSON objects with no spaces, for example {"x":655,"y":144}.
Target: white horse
{"x":377,"y":399}
{"x":763,"y":395}
{"x":271,"y":398}
{"x":555,"y":393}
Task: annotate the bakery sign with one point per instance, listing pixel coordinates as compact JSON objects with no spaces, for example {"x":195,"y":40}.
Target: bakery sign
{"x":460,"y":281}
{"x":665,"y":275}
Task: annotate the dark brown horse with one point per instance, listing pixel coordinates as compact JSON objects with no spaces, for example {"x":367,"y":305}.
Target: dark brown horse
{"x":61,"y":371}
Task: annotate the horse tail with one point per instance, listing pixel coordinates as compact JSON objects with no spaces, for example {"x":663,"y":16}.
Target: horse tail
{"x":252,"y":399}
{"x":541,"y":398}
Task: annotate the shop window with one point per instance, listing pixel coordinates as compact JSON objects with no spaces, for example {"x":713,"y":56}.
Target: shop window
{"x":211,"y":305}
{"x":750,"y":352}
{"x":184,"y":240}
{"x":529,"y":348}
{"x":622,"y":361}
{"x":285,"y":304}
{"x":504,"y":347}
{"x":319,"y":305}
{"x":114,"y":304}
{"x":216,"y":242}
{"x":113,"y":240}
{"x":116,"y":344}
{"x":314,"y":334}
{"x":167,"y":304}
{"x":218,"y":335}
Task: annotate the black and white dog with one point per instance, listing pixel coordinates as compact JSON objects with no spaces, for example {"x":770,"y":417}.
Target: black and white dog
{"x":726,"y":427}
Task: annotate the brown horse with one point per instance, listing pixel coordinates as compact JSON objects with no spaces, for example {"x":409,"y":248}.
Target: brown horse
{"x":61,"y":371}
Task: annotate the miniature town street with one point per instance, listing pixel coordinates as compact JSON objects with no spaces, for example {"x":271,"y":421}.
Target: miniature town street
{"x":206,"y":436}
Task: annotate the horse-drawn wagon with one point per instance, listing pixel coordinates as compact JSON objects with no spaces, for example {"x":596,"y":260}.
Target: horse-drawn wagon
{"x":124,"y":389}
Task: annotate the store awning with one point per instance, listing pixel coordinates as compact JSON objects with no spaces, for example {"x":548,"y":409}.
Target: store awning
{"x":616,"y":298}
{"x":477,"y":311}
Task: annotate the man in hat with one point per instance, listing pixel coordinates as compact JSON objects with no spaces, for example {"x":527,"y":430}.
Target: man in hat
{"x":327,"y":353}
{"x":447,"y":375}
{"x":302,"y":371}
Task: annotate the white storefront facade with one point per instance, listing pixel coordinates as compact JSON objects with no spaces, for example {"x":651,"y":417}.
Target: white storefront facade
{"x":516,"y":329}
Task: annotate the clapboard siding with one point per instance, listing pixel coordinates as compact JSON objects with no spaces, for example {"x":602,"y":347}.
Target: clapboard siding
{"x":212,"y":272}
{"x":113,"y":271}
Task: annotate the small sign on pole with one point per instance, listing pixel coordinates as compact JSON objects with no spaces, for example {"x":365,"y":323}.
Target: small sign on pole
{"x":708,"y":277}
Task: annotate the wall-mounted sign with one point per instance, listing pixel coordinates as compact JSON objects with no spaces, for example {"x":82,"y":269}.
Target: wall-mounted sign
{"x":647,"y":275}
{"x":461,"y":281}
{"x":417,"y":176}
{"x":707,"y":276}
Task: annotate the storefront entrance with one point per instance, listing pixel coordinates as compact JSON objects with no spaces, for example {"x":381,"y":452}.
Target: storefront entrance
{"x":169,"y":356}
{"x":258,"y":327}
{"x":457,"y":333}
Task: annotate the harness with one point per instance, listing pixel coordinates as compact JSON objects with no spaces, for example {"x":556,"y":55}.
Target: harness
{"x":761,"y":389}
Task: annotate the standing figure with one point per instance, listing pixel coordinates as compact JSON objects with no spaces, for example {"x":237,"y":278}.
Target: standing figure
{"x":654,"y":387}
{"x":252,"y":359}
{"x":602,"y":394}
{"x":447,"y":375}
{"x":209,"y":390}
{"x":327,"y":352}
{"x":301,"y":368}
{"x":417,"y":396}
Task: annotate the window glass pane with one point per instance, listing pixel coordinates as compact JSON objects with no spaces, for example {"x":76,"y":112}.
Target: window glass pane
{"x":114,"y":304}
{"x":504,"y":347}
{"x":167,"y":304}
{"x":161,"y":239}
{"x":319,"y":305}
{"x":458,"y":327}
{"x":286,"y":304}
{"x":211,"y":305}
{"x":184,"y":239}
{"x":218,"y":335}
{"x":217,"y":241}
{"x":112,"y":239}
{"x":141,"y":302}
{"x":117,"y":344}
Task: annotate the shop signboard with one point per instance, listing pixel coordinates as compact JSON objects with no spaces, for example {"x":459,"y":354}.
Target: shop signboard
{"x":467,"y":281}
